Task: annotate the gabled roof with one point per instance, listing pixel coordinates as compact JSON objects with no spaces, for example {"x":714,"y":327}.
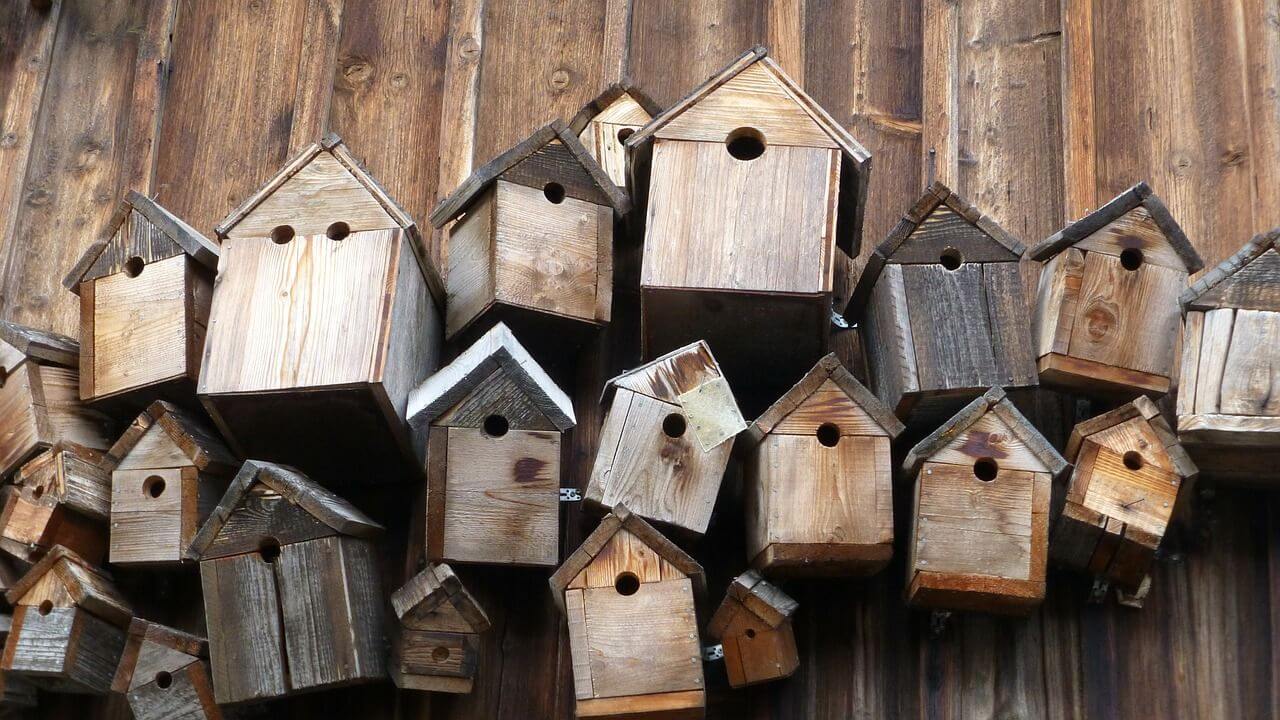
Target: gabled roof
{"x":90,"y":587}
{"x":602,"y":102}
{"x":19,"y":342}
{"x":497,"y":349}
{"x":196,"y":439}
{"x":151,"y":648}
{"x":1139,"y":407}
{"x":759,"y":596}
{"x":438,"y":584}
{"x":1247,"y":280}
{"x":457,"y":202}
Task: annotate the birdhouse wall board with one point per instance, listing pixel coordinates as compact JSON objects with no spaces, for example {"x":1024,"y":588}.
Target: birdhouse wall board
{"x":753,"y":624}
{"x":16,"y":692}
{"x":437,"y":644}
{"x":604,"y":124}
{"x":60,"y":497}
{"x":164,"y":674}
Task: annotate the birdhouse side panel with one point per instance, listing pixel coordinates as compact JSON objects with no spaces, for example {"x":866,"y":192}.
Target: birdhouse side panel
{"x":30,"y":525}
{"x":1057,"y":297}
{"x":40,"y":643}
{"x":471,"y":280}
{"x":890,"y":346}
{"x":147,"y":508}
{"x":245,"y":635}
{"x":95,"y":653}
{"x":1127,"y":318}
{"x":1250,"y":371}
{"x":185,"y":694}
{"x":413,"y":334}
{"x":40,"y":405}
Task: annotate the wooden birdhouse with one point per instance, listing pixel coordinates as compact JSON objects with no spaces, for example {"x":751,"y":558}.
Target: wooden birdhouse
{"x":326,"y":313}
{"x":39,"y":397}
{"x":943,"y":311}
{"x":753,"y":190}
{"x":16,"y":692}
{"x":61,"y":497}
{"x":819,"y":478}
{"x":494,"y":422}
{"x":292,"y":597}
{"x":437,"y":642}
{"x":604,"y":124}
{"x":171,"y":469}
{"x":164,"y":673}
{"x":1129,"y":472}
{"x":753,"y":624}
{"x":666,"y":439}
{"x":981,"y":515}
{"x":1228,"y":406}
{"x":68,"y":626}
{"x":144,"y":306}
{"x":1106,"y":318}
{"x":628,"y":594}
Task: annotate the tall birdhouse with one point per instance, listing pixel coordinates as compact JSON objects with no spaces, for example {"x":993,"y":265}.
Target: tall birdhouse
{"x":164,"y":673}
{"x":60,"y":497}
{"x":753,"y":624}
{"x":144,"y":306}
{"x":604,"y":124}
{"x":292,"y":597}
{"x":437,"y":643}
{"x":943,"y":311}
{"x":980,"y":529}
{"x":494,"y":422}
{"x":752,"y":191}
{"x":68,"y":626}
{"x":819,"y":478}
{"x":1129,"y":472}
{"x":533,"y":241}
{"x":1228,"y":406}
{"x":1106,"y":318}
{"x":326,"y":313}
{"x":170,"y":471}
{"x":666,"y":439}
{"x":628,"y":595}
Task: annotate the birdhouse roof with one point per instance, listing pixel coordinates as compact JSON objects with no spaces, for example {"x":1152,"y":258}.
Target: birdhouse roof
{"x":19,"y":342}
{"x":528,"y":149}
{"x":192,"y":436}
{"x":496,"y":350}
{"x":760,"y":597}
{"x":1246,"y":281}
{"x":1141,"y":407}
{"x":151,"y":648}
{"x":89,"y":587}
{"x":438,"y":584}
{"x":606,"y":99}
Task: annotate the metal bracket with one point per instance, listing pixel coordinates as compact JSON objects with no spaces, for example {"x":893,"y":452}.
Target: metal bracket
{"x":1098,"y":594}
{"x":570,"y":495}
{"x":838,"y":320}
{"x":713,"y":652}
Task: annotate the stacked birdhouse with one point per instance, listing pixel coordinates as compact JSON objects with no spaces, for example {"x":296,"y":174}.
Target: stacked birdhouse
{"x":60,"y":497}
{"x":436,"y":646}
{"x":753,"y":625}
{"x":164,"y":673}
{"x":604,"y":124}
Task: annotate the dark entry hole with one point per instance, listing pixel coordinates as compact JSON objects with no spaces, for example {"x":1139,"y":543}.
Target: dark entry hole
{"x":45,"y":608}
{"x":153,"y":486}
{"x":440,"y":654}
{"x":38,"y":492}
{"x":673,"y":425}
{"x":1133,"y":460}
{"x":745,"y":143}
{"x":751,"y":632}
{"x":133,"y":266}
{"x":625,"y":133}
{"x":554,"y":192}
{"x":985,"y":469}
{"x":163,"y":680}
{"x":269,"y":549}
{"x":829,"y":434}
{"x":951,"y":259}
{"x":496,"y":426}
{"x":281,"y":234}
{"x":627,"y":583}
{"x":337,"y":231}
{"x":1131,"y":259}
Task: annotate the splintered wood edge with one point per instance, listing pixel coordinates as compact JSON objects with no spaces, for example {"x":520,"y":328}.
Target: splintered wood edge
{"x":616,"y":381}
{"x":1247,"y":253}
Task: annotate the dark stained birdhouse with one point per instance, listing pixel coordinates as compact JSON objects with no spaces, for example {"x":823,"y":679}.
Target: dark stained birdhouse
{"x":164,"y":673}
{"x":60,"y":497}
{"x":16,"y":692}
{"x":494,"y":422}
{"x":753,"y":624}
{"x":604,"y":124}
{"x":436,"y":646}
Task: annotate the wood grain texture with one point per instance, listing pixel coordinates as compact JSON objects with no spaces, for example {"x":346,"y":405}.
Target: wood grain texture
{"x":246,"y":651}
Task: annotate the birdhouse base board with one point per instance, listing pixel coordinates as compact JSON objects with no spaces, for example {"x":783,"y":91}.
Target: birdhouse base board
{"x":180,"y":391}
{"x":822,"y":559}
{"x":975,"y":593}
{"x":685,"y":705}
{"x":551,"y":338}
{"x":432,"y":683}
{"x":1082,"y":540}
{"x":1062,"y":372}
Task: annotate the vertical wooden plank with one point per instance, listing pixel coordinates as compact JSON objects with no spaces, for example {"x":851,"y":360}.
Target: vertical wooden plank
{"x":1256,"y":27}
{"x":316,"y":60}
{"x":459,"y":94}
{"x":246,"y":651}
{"x":675,"y":46}
{"x":1079,"y":163}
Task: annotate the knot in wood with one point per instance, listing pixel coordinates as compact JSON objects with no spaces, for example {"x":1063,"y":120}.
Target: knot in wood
{"x":469,"y":48}
{"x":560,"y":80}
{"x":1100,"y":319}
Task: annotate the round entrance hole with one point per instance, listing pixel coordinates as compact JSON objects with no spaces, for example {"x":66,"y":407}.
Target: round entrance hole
{"x":627,"y":583}
{"x":281,"y":234}
{"x":337,"y":231}
{"x":440,"y":654}
{"x":45,"y":608}
{"x":828,"y":434}
{"x":985,"y":469}
{"x":625,"y":133}
{"x":1133,"y":460}
{"x":496,"y":426}
{"x":751,"y":633}
{"x":745,"y":143}
{"x":1131,"y":259}
{"x":554,"y":192}
{"x":163,"y":680}
{"x":951,"y":259}
{"x":153,"y":486}
{"x":133,"y":266}
{"x":673,"y":425}
{"x":269,"y":549}
{"x":38,"y":492}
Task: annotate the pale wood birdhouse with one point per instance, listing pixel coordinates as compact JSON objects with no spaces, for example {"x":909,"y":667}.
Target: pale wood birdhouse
{"x":170,"y":471}
{"x":326,"y":313}
{"x":1228,"y":406}
{"x":68,"y":626}
{"x":436,"y":647}
{"x":533,"y":241}
{"x":60,"y":497}
{"x":628,"y":594}
{"x":980,"y":529}
{"x":164,"y":673}
{"x":1106,"y":317}
{"x":753,"y":624}
{"x":16,"y":692}
{"x":819,"y":478}
{"x":604,"y":124}
{"x":292,"y":597}
{"x":494,"y":422}
{"x":666,"y":439}
{"x":1129,"y":472}
{"x":144,"y":305}
{"x":943,"y":311}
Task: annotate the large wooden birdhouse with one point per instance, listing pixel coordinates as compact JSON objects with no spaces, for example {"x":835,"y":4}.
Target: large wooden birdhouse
{"x":39,"y":397}
{"x":1129,"y":472}
{"x":1106,"y":318}
{"x":68,"y":626}
{"x":628,"y":594}
{"x":666,"y":439}
{"x":494,"y":421}
{"x":292,"y":597}
{"x":60,"y":497}
{"x":753,"y":624}
{"x":437,"y":641}
{"x":943,"y":311}
{"x":326,"y":313}
{"x":604,"y":124}
{"x":1228,"y":404}
{"x":144,"y":306}
{"x":819,"y":478}
{"x":164,"y":673}
{"x":171,"y":469}
{"x":980,"y":529}
{"x":753,"y":190}
{"x":533,"y":241}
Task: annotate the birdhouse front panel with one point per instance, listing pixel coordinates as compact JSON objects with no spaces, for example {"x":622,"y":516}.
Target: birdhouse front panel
{"x":155,"y":513}
{"x":40,"y":406}
{"x":60,"y":497}
{"x":163,"y":673}
{"x":62,"y":649}
{"x":437,"y":644}
{"x":605,"y":124}
{"x":181,"y":693}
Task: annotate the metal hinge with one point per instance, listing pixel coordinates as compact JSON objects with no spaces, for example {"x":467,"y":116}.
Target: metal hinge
{"x":570,"y":495}
{"x":713,"y":652}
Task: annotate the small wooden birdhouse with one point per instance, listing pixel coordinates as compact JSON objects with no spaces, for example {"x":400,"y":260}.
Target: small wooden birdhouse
{"x":1129,"y":472}
{"x":16,"y":692}
{"x":39,"y":397}
{"x":1228,"y":404}
{"x":666,"y":439}
{"x":170,"y":471}
{"x":533,"y":241}
{"x":61,"y":497}
{"x":164,"y":673}
{"x":753,"y":624}
{"x":604,"y":124}
{"x":981,"y":516}
{"x":144,"y":305}
{"x":494,"y":422}
{"x":292,"y":597}
{"x":943,"y":311}
{"x":326,"y":313}
{"x":68,"y":626}
{"x":819,"y":478}
{"x":1106,"y":318}
{"x":628,"y":595}
{"x":437,"y":641}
